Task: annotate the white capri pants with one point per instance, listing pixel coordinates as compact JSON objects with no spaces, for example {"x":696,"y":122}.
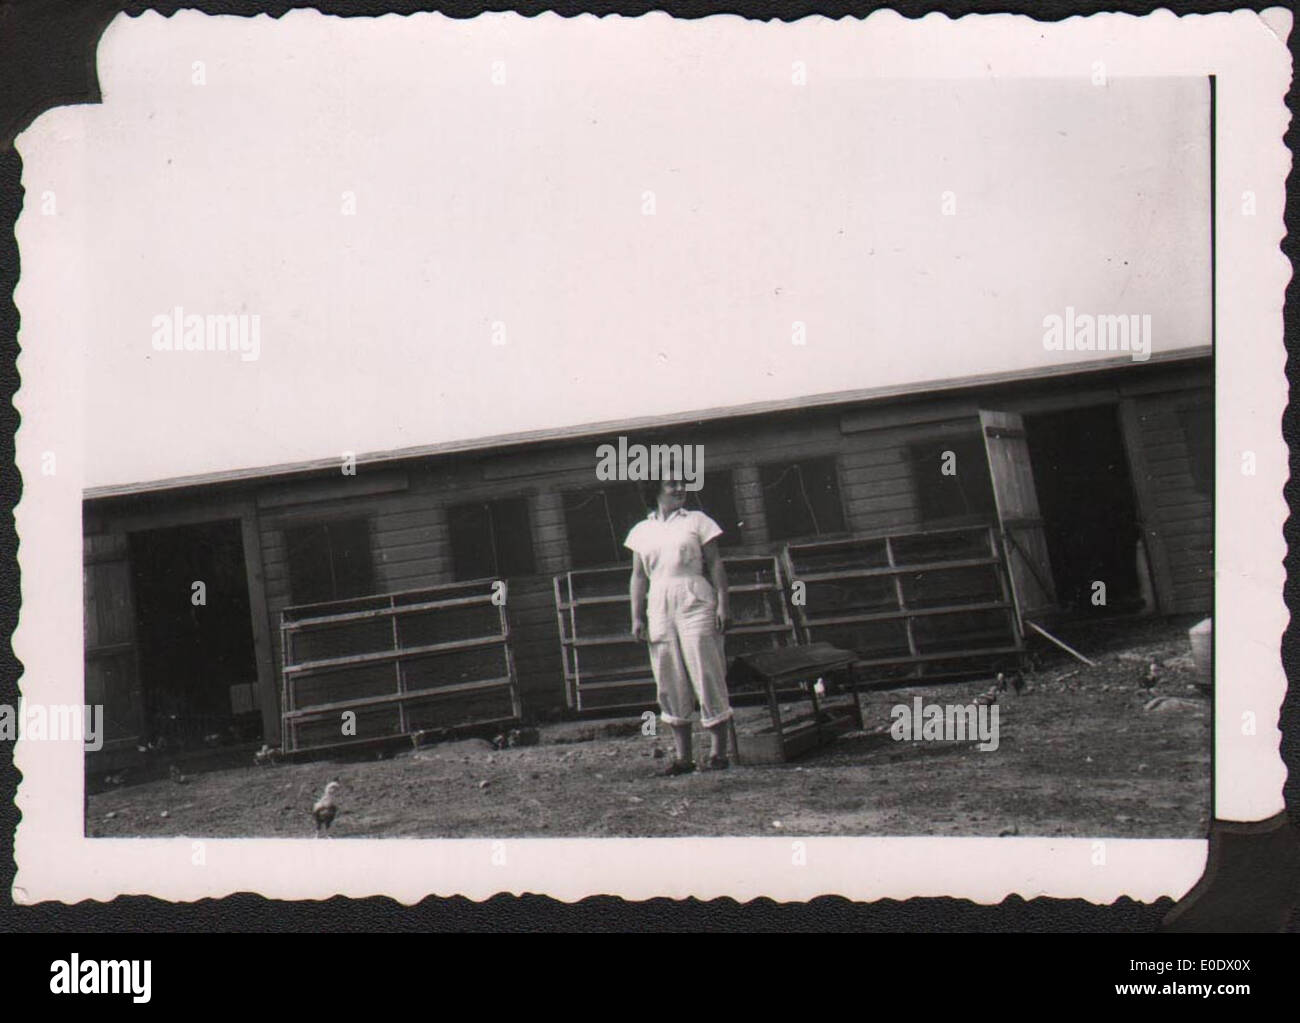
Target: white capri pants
{"x":686,"y":650}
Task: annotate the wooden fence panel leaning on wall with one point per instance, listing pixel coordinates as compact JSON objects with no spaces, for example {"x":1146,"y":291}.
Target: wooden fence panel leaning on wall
{"x":397,"y":664}
{"x":606,"y":670}
{"x":914,"y":606}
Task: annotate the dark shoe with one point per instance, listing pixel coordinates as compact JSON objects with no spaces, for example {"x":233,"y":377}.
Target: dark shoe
{"x":678,"y":767}
{"x":717,"y":762}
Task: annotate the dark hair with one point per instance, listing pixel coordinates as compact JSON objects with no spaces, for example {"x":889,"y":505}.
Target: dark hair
{"x":650,"y":492}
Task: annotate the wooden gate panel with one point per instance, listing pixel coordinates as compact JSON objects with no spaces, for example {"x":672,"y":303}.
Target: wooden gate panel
{"x":606,"y":670}
{"x":398,"y":663}
{"x":913,"y":606}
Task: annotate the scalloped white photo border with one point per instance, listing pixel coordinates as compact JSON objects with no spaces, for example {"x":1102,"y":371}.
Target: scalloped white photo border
{"x":1246,"y":51}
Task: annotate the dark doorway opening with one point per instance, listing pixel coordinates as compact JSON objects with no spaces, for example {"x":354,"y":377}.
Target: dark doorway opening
{"x":1090,"y":516}
{"x":198,"y":670}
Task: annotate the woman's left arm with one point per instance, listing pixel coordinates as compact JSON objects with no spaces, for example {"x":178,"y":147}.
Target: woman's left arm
{"x":718,"y":575}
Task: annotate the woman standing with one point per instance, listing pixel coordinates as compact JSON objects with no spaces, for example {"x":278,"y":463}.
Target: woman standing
{"x":682,"y":615}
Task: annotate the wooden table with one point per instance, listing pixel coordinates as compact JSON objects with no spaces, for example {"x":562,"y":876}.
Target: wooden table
{"x":784,"y":669}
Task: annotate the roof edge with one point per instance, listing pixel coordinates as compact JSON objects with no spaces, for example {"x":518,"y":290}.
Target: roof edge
{"x":529,"y":437}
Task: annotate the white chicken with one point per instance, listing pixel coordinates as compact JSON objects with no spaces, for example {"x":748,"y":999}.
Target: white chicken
{"x":266,"y":755}
{"x":324,"y":810}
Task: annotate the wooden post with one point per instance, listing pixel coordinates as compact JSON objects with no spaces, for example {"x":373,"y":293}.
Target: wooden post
{"x":403,"y":725}
{"x":774,"y":707}
{"x":569,"y":696}
{"x":516,"y":702}
{"x":573,"y":634}
{"x":1064,"y":646}
{"x":852,"y":673}
{"x":268,"y":691}
{"x":902,"y":601}
{"x":286,"y":699}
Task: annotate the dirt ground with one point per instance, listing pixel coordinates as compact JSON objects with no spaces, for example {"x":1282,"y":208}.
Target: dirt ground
{"x":1079,"y":755}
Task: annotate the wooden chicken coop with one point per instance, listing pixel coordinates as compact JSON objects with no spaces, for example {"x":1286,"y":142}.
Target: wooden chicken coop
{"x":845,"y":480}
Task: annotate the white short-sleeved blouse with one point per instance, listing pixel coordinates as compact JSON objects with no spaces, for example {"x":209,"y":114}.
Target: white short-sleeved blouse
{"x":673,"y":546}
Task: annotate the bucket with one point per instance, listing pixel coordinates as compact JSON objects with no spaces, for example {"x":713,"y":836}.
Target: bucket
{"x":1202,"y":637}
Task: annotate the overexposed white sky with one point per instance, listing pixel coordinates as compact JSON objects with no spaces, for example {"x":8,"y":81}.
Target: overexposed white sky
{"x":521,"y":203}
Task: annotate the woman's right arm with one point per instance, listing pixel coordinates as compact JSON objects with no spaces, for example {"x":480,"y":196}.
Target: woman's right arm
{"x":640,"y":584}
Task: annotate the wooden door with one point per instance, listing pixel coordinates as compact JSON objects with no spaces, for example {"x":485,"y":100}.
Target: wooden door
{"x":1021,"y":525}
{"x":112,"y":660}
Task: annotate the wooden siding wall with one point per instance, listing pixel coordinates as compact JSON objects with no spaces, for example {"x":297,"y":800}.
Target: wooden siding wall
{"x":411,"y":548}
{"x":1182,"y":513}
{"x":406,"y":508}
{"x":112,"y":675}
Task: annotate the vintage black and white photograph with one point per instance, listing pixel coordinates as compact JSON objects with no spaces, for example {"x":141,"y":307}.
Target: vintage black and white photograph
{"x":509,"y":429}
